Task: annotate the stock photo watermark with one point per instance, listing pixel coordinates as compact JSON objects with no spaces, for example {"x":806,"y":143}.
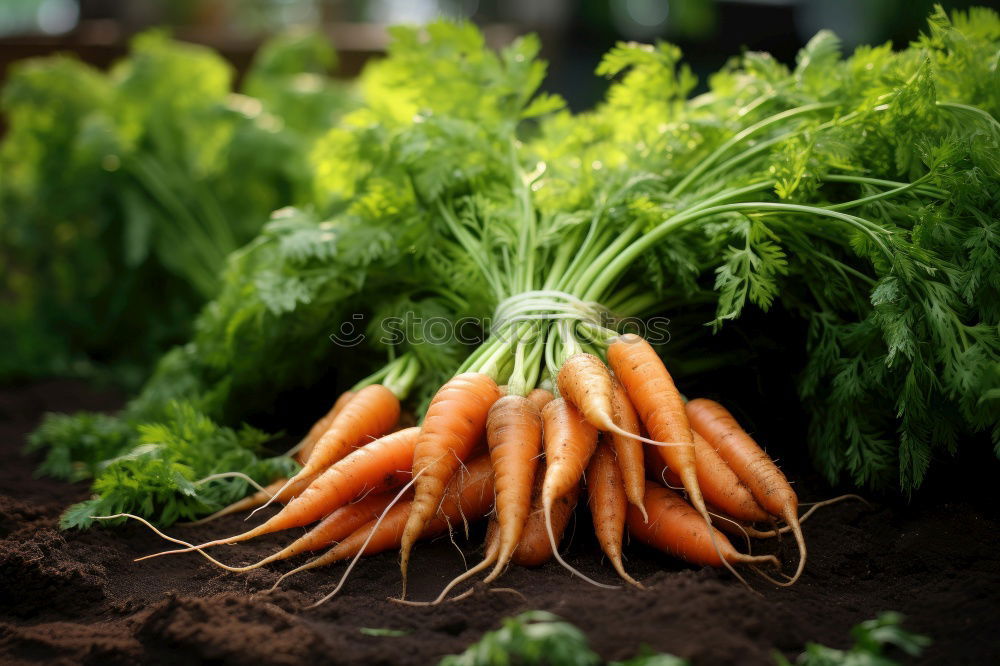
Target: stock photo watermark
{"x":413,"y":328}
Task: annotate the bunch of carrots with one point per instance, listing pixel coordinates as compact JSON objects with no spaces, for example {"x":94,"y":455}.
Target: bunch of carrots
{"x":481,"y":450}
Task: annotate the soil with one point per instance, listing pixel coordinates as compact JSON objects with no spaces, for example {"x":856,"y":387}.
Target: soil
{"x":78,"y":598}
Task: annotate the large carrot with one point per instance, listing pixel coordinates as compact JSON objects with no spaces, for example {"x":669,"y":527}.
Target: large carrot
{"x":675,"y":526}
{"x":321,"y":426}
{"x":751,"y":464}
{"x":608,"y":502}
{"x":628,"y":450}
{"x":720,"y":485}
{"x":371,"y":413}
{"x":469,"y":495}
{"x":455,"y":421}
{"x":569,"y":443}
{"x":535,"y":548}
{"x":383,"y":464}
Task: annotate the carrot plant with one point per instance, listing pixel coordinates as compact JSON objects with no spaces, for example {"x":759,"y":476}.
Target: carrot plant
{"x":857,"y":193}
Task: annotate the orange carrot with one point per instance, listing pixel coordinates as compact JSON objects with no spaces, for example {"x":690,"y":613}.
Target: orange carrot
{"x":280,"y":490}
{"x":751,"y":464}
{"x":455,"y":421}
{"x":339,"y":524}
{"x":515,"y":438}
{"x":335,"y":527}
{"x":660,"y":406}
{"x":321,"y":426}
{"x":608,"y":502}
{"x":381,"y":465}
{"x":371,"y":413}
{"x":674,"y":526}
{"x":468,"y":495}
{"x":721,"y":487}
{"x":514,"y":433}
{"x":534,"y":548}
{"x":540,"y":397}
{"x":584,"y":380}
{"x":628,"y":450}
{"x":570,"y":441}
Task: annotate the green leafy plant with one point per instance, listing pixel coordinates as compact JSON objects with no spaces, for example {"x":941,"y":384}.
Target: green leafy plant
{"x":168,"y":473}
{"x":871,"y":639}
{"x":125,"y":191}
{"x":539,"y":637}
{"x":379,"y":631}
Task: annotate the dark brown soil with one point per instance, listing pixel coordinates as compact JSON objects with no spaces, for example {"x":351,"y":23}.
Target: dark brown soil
{"x":70,"y":598}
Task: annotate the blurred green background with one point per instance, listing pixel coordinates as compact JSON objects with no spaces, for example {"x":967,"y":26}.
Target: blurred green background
{"x":575,"y":32}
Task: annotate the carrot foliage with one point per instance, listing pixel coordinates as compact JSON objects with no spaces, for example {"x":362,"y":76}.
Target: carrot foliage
{"x":539,"y":637}
{"x":165,"y":473}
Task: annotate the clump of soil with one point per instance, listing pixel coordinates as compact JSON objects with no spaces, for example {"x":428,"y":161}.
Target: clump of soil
{"x":72,"y":598}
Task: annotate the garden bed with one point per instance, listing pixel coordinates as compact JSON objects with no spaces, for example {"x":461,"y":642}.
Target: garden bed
{"x":76,"y":597}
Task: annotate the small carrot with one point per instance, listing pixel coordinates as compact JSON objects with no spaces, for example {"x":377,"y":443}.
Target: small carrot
{"x":455,"y":421}
{"x":585,"y":381}
{"x":514,"y":432}
{"x":660,"y":406}
{"x":570,"y":441}
{"x":321,"y":426}
{"x":337,"y":526}
{"x":535,"y":548}
{"x":371,"y":413}
{"x":608,"y":502}
{"x":723,"y":490}
{"x":628,"y":450}
{"x":540,"y":397}
{"x":676,"y":527}
{"x":280,"y":490}
{"x":752,"y":465}
{"x":381,"y":465}
{"x":469,"y":494}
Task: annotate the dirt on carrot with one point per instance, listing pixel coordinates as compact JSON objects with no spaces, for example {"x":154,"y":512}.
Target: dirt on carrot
{"x":77,"y":597}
